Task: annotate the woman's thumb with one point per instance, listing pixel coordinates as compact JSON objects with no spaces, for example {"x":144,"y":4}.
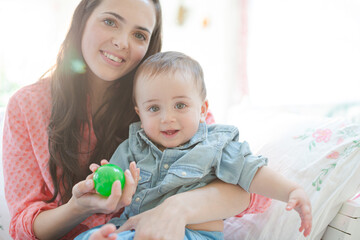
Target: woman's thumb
{"x":128,"y":225}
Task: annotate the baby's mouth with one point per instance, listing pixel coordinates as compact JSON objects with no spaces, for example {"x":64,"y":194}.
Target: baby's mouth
{"x":170,"y":132}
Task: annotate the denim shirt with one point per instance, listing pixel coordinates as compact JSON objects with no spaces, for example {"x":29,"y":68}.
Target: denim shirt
{"x":213,"y":152}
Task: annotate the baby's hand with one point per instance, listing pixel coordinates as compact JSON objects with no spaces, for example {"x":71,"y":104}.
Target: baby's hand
{"x":299,"y":201}
{"x":106,"y":232}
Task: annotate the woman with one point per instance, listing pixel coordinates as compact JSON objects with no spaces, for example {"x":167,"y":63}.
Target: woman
{"x":55,"y":128}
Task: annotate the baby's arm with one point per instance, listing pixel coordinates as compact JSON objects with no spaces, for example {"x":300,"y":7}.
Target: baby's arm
{"x":273,"y":185}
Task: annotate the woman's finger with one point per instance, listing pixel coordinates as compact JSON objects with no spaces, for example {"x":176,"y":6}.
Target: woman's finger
{"x":90,"y":176}
{"x":129,"y":189}
{"x":135,"y":172}
{"x":113,"y":199}
{"x":103,"y":162}
{"x":130,"y":224}
{"x":93,"y":167}
{"x":83,"y":187}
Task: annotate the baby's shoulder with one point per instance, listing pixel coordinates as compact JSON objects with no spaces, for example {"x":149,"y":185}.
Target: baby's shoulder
{"x":222,"y":128}
{"x":221,"y":133}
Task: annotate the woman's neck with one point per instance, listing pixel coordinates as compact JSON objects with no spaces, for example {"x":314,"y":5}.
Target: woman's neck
{"x":98,"y":88}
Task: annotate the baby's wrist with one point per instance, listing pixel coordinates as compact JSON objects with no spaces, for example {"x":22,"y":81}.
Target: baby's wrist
{"x":299,"y":188}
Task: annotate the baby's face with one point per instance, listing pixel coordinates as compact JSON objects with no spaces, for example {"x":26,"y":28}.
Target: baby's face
{"x":170,"y":108}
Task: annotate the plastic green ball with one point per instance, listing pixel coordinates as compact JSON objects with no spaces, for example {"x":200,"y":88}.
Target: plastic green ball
{"x":105,"y":176}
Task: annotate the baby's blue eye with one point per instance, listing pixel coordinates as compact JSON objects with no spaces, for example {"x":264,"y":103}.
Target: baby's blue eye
{"x":180,"y":105}
{"x":154,"y":109}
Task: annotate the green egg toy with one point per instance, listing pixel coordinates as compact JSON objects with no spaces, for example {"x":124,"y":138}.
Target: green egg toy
{"x":105,"y":176}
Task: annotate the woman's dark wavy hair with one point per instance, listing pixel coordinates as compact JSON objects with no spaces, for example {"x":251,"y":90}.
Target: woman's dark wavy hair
{"x":69,"y":114}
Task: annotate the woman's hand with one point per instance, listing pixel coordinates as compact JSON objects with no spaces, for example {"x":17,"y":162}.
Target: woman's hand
{"x":299,"y":201}
{"x":55,"y":223}
{"x":165,"y":221}
{"x":87,"y":200}
{"x":169,"y":219}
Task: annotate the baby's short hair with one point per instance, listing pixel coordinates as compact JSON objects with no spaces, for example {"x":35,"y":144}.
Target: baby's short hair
{"x":172,"y":62}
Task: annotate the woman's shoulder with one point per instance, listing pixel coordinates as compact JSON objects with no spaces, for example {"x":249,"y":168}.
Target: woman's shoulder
{"x":41,"y":88}
{"x":32,"y":99}
{"x":38,"y":93}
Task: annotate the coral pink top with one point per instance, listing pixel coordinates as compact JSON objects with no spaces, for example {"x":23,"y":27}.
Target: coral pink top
{"x":25,"y":162}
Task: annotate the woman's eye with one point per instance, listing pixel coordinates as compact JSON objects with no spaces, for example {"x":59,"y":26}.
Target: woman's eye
{"x":154,"y":109}
{"x":109,"y":22}
{"x":180,"y":106}
{"x":140,"y":36}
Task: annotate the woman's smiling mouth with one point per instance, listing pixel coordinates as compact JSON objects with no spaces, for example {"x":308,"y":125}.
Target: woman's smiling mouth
{"x":112,"y":57}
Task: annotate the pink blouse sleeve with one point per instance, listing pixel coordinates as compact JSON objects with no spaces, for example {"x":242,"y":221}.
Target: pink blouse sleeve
{"x":25,"y":187}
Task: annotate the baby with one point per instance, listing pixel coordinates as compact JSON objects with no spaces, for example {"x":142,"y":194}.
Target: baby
{"x":177,"y":151}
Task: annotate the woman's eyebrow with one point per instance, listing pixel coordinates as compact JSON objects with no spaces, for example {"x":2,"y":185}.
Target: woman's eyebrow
{"x":120,"y":18}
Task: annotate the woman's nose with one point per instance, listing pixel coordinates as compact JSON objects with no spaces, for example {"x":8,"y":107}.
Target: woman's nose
{"x":120,"y":42}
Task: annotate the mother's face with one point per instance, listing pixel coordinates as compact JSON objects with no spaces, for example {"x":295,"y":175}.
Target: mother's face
{"x":116,"y":37}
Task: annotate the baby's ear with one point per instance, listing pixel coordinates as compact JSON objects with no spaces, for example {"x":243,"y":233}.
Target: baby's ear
{"x":204,"y":110}
{"x":138,"y":113}
{"x":137,"y":110}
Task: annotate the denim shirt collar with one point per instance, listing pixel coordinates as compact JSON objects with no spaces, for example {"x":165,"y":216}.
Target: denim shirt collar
{"x":139,"y":133}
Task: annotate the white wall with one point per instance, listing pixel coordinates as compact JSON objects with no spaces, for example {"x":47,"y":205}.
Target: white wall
{"x":304,"y":52}
{"x":215,"y":47}
{"x":31,"y":34}
{"x":299,"y":52}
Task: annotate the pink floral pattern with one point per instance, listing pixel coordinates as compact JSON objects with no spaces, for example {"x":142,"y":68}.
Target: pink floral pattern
{"x":322,"y":135}
{"x":333,"y":138}
{"x":333,"y":155}
{"x":340,"y":140}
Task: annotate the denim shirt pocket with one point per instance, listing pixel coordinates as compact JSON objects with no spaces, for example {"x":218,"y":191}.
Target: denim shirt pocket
{"x":144,"y":180}
{"x":180,"y":176}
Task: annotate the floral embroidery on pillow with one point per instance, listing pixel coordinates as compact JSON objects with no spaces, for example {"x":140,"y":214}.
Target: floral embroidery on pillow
{"x":335,"y":155}
{"x":317,"y":136}
{"x":333,"y":138}
{"x":319,"y":180}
